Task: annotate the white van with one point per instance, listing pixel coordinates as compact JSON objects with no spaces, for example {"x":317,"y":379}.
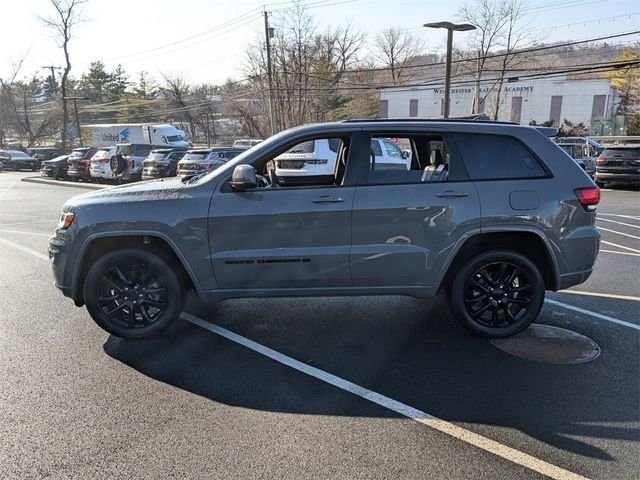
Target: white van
{"x":315,"y":160}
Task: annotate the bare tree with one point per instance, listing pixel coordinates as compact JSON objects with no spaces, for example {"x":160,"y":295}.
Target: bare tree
{"x":176,"y":91}
{"x":67,"y":14}
{"x":499,"y":30}
{"x":396,"y":48}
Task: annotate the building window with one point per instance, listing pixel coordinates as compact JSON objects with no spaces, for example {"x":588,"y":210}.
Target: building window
{"x":599,"y":102}
{"x":556,"y":109}
{"x":384,"y":108}
{"x":413,"y":108}
{"x":516,"y":109}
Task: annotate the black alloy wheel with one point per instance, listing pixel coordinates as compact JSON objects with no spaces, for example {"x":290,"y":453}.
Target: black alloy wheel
{"x":497,"y":293}
{"x":133,"y":293}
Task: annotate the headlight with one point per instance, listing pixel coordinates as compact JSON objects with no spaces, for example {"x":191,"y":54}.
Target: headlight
{"x":66,"y":219}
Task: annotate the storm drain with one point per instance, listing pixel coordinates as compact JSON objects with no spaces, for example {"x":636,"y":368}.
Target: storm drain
{"x":547,"y":344}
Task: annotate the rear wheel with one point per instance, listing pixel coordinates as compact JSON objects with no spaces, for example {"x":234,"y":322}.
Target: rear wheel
{"x":133,"y":293}
{"x":497,"y":293}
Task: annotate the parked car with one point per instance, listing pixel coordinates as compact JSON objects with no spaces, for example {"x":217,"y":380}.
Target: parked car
{"x":100,"y":163}
{"x":618,"y":164}
{"x":79,"y":163}
{"x":134,"y":154}
{"x":161,"y":163}
{"x":492,"y":213}
{"x":596,"y":146}
{"x":203,"y":160}
{"x":2,"y":166}
{"x":315,"y":161}
{"x":11,"y":143}
{"x":244,"y":143}
{"x":581,"y":154}
{"x":55,"y":168}
{"x":17,"y":160}
{"x":43,"y":153}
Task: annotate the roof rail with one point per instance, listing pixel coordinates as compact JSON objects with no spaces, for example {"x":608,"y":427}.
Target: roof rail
{"x":466,"y":118}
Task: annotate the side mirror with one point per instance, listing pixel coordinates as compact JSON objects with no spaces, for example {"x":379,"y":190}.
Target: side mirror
{"x":243,"y":178}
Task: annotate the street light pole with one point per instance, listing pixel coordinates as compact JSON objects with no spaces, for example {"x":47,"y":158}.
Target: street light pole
{"x":462,"y":27}
{"x":268,"y":33}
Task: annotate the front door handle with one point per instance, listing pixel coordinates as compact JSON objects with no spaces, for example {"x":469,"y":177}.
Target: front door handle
{"x":452,"y":194}
{"x":328,"y":199}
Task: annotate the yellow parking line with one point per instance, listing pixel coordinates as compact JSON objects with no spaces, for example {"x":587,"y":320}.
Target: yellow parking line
{"x":604,"y":295}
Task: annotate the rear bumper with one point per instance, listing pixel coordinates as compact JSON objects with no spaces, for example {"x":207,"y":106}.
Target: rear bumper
{"x":618,"y":177}
{"x":574,"y":278}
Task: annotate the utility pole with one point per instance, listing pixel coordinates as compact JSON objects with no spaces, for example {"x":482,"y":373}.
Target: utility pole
{"x":268,"y":33}
{"x":75,"y":108}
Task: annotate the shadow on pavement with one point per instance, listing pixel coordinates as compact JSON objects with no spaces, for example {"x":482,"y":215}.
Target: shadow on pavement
{"x":410,"y":350}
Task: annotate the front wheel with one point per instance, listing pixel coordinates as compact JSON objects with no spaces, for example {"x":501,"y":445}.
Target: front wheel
{"x":497,"y":293}
{"x":133,"y":293}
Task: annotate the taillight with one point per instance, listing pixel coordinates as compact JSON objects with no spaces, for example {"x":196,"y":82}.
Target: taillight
{"x":588,"y":197}
{"x":132,"y":164}
{"x":601,"y":161}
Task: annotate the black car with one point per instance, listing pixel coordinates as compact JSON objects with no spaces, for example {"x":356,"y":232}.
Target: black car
{"x":55,"y":168}
{"x":17,"y":160}
{"x":618,"y":164}
{"x":162,"y":162}
{"x":42,"y":154}
{"x":79,"y":163}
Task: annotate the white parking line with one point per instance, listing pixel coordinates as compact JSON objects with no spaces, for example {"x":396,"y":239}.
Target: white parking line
{"x":621,"y":253}
{"x":632,"y":217}
{"x":593,"y":314}
{"x":618,"y":233}
{"x":4,"y":192}
{"x":17,"y":246}
{"x":620,"y":246}
{"x":22,"y":232}
{"x":429,"y":420}
{"x":619,"y":223}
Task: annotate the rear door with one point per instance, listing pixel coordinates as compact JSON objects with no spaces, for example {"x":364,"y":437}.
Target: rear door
{"x":404,"y":225}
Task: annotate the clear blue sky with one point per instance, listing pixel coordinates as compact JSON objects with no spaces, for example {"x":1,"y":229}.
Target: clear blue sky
{"x":150,"y":34}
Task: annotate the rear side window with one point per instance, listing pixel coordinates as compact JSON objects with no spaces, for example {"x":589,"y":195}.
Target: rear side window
{"x":489,"y":157}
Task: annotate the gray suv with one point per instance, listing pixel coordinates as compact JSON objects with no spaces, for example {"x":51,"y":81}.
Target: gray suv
{"x":492,"y":213}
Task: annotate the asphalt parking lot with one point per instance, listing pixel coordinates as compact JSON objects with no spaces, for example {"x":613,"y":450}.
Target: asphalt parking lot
{"x":366,"y":387}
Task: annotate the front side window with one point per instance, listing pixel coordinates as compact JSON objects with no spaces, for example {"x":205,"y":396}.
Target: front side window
{"x":493,"y":157}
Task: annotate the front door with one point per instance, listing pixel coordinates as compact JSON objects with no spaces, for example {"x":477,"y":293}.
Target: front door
{"x":282,"y":237}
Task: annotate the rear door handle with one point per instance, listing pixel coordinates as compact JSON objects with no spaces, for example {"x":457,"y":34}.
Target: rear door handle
{"x":452,"y":194}
{"x":328,"y":199}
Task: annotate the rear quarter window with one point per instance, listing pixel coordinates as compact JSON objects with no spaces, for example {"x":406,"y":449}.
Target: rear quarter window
{"x":490,"y":157}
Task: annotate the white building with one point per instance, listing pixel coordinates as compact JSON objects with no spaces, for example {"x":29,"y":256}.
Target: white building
{"x":521,"y":101}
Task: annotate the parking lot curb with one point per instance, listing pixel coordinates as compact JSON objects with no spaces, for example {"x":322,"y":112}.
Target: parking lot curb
{"x":62,"y":183}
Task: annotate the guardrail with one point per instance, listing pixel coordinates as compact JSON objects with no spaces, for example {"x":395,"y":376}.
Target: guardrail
{"x":617,"y":138}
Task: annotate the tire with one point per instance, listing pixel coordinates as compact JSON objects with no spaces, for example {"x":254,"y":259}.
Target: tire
{"x":495,"y":301}
{"x":14,"y":166}
{"x":121,"y":275}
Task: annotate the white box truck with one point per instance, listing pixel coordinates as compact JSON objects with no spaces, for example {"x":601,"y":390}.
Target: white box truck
{"x":106,"y":135}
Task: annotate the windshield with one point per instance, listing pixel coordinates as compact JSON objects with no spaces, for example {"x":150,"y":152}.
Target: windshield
{"x":19,"y":154}
{"x":195,"y":156}
{"x":76,"y":154}
{"x":175,"y":138}
{"x":102,"y":153}
{"x":156,"y":156}
{"x":628,"y":153}
{"x":123,"y":150}
{"x":241,"y":143}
